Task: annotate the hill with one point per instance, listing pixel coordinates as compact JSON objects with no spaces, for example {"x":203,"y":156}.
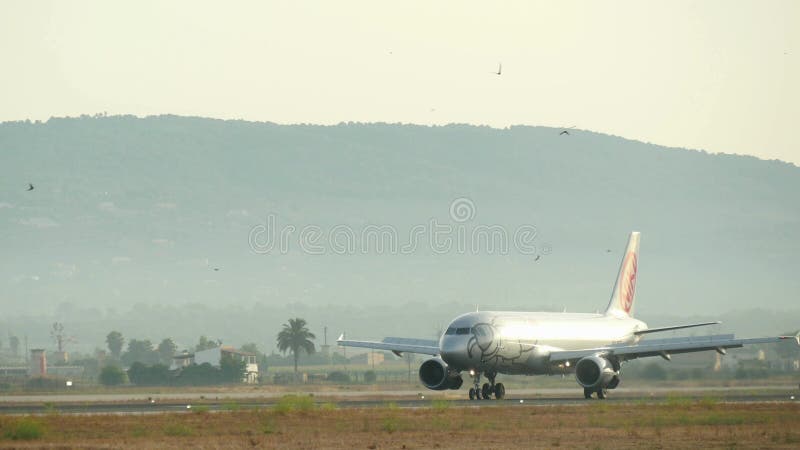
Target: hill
{"x":130,"y":211}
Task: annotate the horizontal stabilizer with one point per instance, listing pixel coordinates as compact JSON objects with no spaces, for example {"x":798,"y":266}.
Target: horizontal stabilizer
{"x":675,"y":327}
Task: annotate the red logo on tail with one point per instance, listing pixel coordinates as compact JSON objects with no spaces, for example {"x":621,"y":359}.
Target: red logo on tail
{"x":627,"y":282}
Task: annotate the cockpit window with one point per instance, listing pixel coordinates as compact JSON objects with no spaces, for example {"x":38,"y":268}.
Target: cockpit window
{"x":450,"y":330}
{"x":478,"y":331}
{"x":462,"y":330}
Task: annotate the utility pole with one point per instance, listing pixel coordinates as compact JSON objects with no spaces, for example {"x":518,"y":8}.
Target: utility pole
{"x":326,"y":349}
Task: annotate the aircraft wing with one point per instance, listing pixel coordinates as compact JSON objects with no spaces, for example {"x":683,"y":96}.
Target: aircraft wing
{"x":396,"y":345}
{"x":665,"y":347}
{"x":675,"y":327}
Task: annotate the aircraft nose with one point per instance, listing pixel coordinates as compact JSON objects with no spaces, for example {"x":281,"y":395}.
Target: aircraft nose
{"x":453,"y":350}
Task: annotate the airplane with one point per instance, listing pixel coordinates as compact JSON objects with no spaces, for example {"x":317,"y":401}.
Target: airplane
{"x":592,"y":346}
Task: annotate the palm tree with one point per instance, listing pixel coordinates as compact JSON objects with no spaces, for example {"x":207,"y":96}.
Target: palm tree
{"x":295,"y":337}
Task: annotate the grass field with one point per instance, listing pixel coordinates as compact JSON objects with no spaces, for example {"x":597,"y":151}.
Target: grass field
{"x":297,"y":422}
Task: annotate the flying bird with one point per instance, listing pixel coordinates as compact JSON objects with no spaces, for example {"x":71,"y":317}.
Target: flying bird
{"x":537,"y":257}
{"x":216,"y":269}
{"x":563,"y":132}
{"x":30,"y":187}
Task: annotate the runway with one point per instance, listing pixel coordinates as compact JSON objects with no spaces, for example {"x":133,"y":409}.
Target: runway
{"x":217,"y":401}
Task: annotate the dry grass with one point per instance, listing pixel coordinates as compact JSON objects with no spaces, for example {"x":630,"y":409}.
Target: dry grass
{"x":676,"y":424}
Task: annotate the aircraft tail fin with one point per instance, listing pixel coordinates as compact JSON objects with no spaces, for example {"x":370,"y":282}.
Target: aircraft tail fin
{"x":625,"y":287}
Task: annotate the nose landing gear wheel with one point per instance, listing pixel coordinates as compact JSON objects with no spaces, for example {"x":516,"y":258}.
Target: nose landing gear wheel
{"x":486,"y":391}
{"x":499,"y":391}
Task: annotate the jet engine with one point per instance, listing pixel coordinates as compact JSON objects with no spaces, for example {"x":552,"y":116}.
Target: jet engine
{"x":596,"y":372}
{"x":435,"y":374}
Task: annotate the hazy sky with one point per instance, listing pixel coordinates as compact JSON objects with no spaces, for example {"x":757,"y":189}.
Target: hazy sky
{"x":716,"y":75}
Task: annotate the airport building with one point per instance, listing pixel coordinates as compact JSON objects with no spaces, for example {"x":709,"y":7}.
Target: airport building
{"x":214,"y":357}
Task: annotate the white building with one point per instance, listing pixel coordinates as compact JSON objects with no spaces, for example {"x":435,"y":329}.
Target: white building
{"x":214,"y":356}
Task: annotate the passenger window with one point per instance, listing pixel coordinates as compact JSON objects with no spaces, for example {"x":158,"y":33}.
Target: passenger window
{"x":462,"y":331}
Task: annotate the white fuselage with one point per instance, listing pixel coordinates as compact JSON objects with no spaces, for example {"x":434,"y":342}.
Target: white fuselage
{"x":521,"y":342}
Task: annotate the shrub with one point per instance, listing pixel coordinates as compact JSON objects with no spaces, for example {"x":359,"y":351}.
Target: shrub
{"x":370,"y":376}
{"x":155,"y":375}
{"x":440,"y":404}
{"x":199,"y":375}
{"x":25,"y":429}
{"x":339,"y":377}
{"x":112,"y":376}
{"x":44,"y":383}
{"x":178,"y":430}
{"x":389,"y":424}
{"x":289,"y":403}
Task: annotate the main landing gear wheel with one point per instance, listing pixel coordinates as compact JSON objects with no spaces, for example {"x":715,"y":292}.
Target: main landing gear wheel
{"x":486,"y":391}
{"x":472,"y":393}
{"x":602,"y":393}
{"x":499,"y":391}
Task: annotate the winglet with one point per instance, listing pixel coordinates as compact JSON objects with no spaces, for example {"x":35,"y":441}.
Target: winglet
{"x":796,"y":337}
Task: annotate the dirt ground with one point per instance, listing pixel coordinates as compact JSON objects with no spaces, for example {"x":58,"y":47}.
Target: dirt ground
{"x":678,"y":423}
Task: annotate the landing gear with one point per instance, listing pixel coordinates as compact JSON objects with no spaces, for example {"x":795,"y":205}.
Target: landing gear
{"x":485,"y":392}
{"x":475,"y":392}
{"x":499,"y":391}
{"x":602,"y":393}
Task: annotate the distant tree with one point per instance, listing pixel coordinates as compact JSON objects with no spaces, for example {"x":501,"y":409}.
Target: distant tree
{"x":59,"y":336}
{"x":296,"y":338}
{"x":166,"y":350}
{"x":91,"y":366}
{"x":231,"y":369}
{"x":13,"y":342}
{"x":143,"y":375}
{"x":198,"y":375}
{"x":205,"y":343}
{"x":370,"y":376}
{"x":112,"y":376}
{"x":141,"y":351}
{"x":339,"y":377}
{"x":115,"y":342}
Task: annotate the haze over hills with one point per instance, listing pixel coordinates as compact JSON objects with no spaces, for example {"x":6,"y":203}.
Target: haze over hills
{"x":135,"y":214}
